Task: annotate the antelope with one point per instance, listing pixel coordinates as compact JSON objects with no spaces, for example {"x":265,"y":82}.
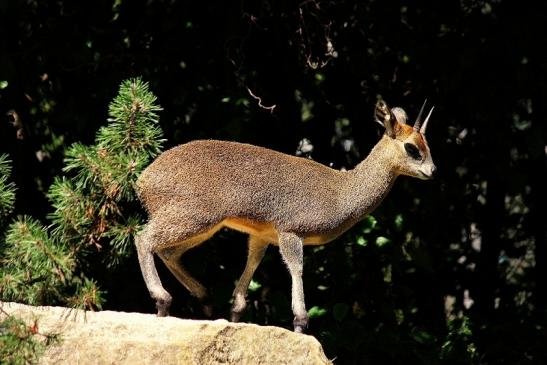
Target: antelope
{"x":193,"y":190}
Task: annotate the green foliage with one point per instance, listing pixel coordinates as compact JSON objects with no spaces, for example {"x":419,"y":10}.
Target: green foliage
{"x":458,"y":347}
{"x":38,"y":270}
{"x":86,"y":295}
{"x":35,"y":268}
{"x":316,"y":311}
{"x":7,"y":189}
{"x":133,"y":124}
{"x":21,"y":344}
{"x":93,"y":212}
{"x":91,"y":207}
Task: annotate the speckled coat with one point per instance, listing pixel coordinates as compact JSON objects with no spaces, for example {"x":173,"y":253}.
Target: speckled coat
{"x":193,"y":190}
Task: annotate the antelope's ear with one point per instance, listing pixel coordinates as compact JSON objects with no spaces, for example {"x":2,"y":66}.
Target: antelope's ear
{"x":400,"y":115}
{"x":386,"y":117}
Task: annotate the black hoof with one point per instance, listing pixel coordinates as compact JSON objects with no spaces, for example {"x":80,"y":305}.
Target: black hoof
{"x":236,"y":316}
{"x":300,"y":324}
{"x":163,"y":307}
{"x":207,"y":310}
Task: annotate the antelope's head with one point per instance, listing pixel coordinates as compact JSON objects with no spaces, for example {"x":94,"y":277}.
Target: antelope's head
{"x":407,"y":144}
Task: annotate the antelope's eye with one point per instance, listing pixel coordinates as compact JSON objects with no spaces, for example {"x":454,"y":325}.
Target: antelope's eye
{"x":413,"y":151}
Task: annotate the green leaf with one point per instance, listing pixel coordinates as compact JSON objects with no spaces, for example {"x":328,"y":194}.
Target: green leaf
{"x":422,"y":336}
{"x":316,"y":311}
{"x":382,"y":241}
{"x":369,"y":223}
{"x":399,"y":316}
{"x":254,"y":285}
{"x":387,"y":270}
{"x":361,"y":241}
{"x":399,"y":221}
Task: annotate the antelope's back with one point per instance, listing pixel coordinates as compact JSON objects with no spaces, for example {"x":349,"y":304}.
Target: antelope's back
{"x":240,"y":178}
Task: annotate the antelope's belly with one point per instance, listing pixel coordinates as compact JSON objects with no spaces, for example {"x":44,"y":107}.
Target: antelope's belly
{"x":268,"y":232}
{"x":264,"y":230}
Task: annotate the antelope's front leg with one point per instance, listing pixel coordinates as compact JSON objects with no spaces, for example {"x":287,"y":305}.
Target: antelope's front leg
{"x":291,"y":248}
{"x":257,"y":249}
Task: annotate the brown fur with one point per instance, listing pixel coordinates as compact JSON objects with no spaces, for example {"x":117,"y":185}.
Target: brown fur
{"x":193,"y":190}
{"x":406,"y":132}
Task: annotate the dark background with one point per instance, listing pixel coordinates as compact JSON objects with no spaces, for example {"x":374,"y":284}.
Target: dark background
{"x":465,"y":262}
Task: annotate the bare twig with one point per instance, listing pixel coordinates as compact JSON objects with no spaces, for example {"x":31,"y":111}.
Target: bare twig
{"x":270,"y":108}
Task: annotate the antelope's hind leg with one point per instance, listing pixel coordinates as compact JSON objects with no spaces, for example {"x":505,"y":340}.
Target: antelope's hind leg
{"x":145,"y":252}
{"x":171,"y":258}
{"x":256,"y":250}
{"x":170,"y":238}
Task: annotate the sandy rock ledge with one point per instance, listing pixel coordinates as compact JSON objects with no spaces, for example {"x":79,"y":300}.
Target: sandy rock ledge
{"x":134,"y":338}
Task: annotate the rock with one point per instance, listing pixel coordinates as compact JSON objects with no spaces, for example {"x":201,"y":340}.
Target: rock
{"x":134,"y":338}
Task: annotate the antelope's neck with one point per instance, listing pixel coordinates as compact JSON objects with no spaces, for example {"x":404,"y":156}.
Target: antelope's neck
{"x":369,"y":182}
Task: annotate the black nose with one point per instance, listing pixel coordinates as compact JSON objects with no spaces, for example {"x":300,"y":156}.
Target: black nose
{"x":433,"y":171}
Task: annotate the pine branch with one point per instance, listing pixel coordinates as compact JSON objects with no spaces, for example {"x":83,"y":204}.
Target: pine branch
{"x":7,"y":189}
{"x":22,"y":343}
{"x":133,"y":121}
{"x":35,"y":267}
{"x":93,"y":209}
{"x":87,"y":296}
{"x":90,"y":206}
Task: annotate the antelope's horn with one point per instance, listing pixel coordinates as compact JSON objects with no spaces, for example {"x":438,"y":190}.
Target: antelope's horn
{"x":419,"y":119}
{"x":422,"y":129}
